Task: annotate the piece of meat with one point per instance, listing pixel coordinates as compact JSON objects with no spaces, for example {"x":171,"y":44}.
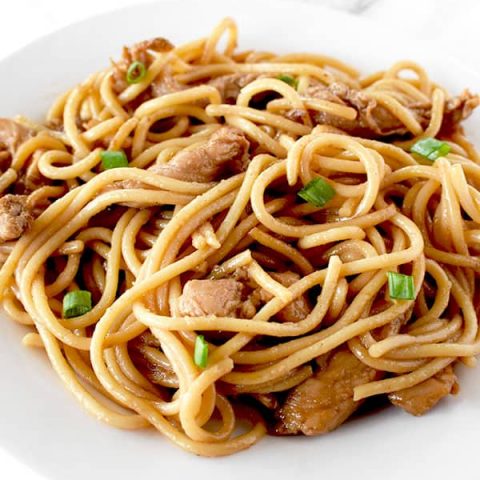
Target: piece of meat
{"x":222,"y":298}
{"x":137,"y":53}
{"x":166,"y":83}
{"x":323,"y":402}
{"x":225,"y":153}
{"x":229,"y":86}
{"x":15,"y":217}
{"x":421,"y":398}
{"x":458,"y":109}
{"x":256,"y":296}
{"x":12,"y":135}
{"x":373,"y":120}
{"x":295,"y":311}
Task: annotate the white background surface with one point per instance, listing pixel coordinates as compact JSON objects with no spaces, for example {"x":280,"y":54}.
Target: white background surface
{"x":451,"y":24}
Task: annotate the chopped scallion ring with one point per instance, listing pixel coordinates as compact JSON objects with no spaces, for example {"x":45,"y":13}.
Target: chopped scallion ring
{"x":76,"y":303}
{"x":200,"y":355}
{"x":400,"y":286}
{"x":431,"y":148}
{"x":318,"y":192}
{"x":293,"y":82}
{"x":113,"y":159}
{"x":136,"y":72}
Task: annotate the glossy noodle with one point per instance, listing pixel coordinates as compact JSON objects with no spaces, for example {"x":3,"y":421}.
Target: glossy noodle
{"x":222,"y":243}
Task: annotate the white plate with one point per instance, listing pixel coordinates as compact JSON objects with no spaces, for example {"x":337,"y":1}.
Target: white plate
{"x":42,"y":425}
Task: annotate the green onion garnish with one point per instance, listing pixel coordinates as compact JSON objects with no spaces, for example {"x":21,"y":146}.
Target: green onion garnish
{"x":113,"y":159}
{"x":136,"y":72}
{"x":293,"y":82}
{"x":76,"y":303}
{"x":200,"y":355}
{"x":400,"y":286}
{"x":318,"y":192}
{"x":430,"y":148}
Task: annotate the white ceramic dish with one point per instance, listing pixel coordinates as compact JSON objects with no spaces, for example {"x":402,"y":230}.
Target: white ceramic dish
{"x":43,"y":426}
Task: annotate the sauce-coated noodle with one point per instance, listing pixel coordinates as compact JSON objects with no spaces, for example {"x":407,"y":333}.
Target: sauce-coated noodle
{"x":204,"y":233}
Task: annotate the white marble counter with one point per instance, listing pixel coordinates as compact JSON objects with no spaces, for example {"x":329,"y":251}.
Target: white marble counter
{"x":451,"y":24}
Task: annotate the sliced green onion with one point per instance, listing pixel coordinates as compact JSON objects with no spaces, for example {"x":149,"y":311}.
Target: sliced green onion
{"x":76,"y":303}
{"x":400,"y":286}
{"x":113,"y":159}
{"x":200,"y":355}
{"x":430,"y":148}
{"x":293,"y":82}
{"x":136,"y":72}
{"x":318,"y":192}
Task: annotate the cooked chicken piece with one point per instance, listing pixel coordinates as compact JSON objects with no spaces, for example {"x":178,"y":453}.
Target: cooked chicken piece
{"x":257,"y":296}
{"x":422,"y":397}
{"x":300,"y":308}
{"x":222,"y":298}
{"x":15,"y":217}
{"x":230,"y":86}
{"x":294,"y":311}
{"x":323,"y":402}
{"x":225,"y":153}
{"x":165,"y":84}
{"x":137,"y":53}
{"x":12,"y":135}
{"x":458,"y":109}
{"x":374,"y":120}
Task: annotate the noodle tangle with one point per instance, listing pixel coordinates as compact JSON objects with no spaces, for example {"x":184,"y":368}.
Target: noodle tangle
{"x":203,"y":236}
